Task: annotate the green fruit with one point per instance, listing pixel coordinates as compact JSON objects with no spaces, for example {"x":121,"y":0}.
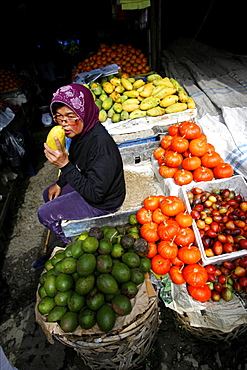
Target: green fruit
{"x":121,"y":272}
{"x":56,"y":314}
{"x":105,"y":246}
{"x":133,"y":219}
{"x":42,"y":293}
{"x":76,"y":302}
{"x":84,"y":284}
{"x":117,"y":250}
{"x":42,"y":278}
{"x":57,"y":267}
{"x":69,"y":322}
{"x":61,"y":298}
{"x":86,"y":264}
{"x":121,"y":304}
{"x":95,"y":299}
{"x":83,"y":235}
{"x":108,"y":297}
{"x":76,"y":249}
{"x":141,"y":247}
{"x":50,"y":286}
{"x":45,"y":305}
{"x":68,"y":265}
{"x":111,"y":234}
{"x":68,"y":251}
{"x":104,"y":263}
{"x":90,"y":244}
{"x":64,"y":282}
{"x":129,"y":289}
{"x":145,"y":264}
{"x":52,"y":271}
{"x":48,"y":265}
{"x":137,"y":276}
{"x":131,"y":259}
{"x":96,"y":232}
{"x":87,"y":318}
{"x":107,"y":284}
{"x":57,"y":257}
{"x":106,"y":318}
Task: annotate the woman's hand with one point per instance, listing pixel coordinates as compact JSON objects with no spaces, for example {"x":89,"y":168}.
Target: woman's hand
{"x":54,"y":191}
{"x":57,"y":157}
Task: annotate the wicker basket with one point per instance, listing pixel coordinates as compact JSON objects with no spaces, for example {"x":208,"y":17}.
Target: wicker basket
{"x":122,"y":350}
{"x":208,"y":334}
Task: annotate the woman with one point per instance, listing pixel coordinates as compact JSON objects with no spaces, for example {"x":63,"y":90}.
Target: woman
{"x":91,"y":181}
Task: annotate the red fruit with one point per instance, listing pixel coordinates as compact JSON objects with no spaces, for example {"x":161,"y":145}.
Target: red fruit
{"x":218,"y":287}
{"x":243,"y":262}
{"x":243,"y":281}
{"x":222,"y":279}
{"x":226,"y":294}
{"x":243,"y":243}
{"x":240,"y":271}
{"x":210,"y":269}
{"x":228,"y":247}
{"x":216,"y":296}
{"x":243,"y":206}
{"x":237,"y":287}
{"x":229,"y":265}
{"x":211,"y":278}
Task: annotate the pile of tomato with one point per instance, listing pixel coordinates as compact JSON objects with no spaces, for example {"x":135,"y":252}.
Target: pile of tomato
{"x":185,"y":155}
{"x":167,"y":227}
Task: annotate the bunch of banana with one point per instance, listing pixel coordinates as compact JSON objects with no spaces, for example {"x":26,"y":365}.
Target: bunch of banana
{"x":120,"y":98}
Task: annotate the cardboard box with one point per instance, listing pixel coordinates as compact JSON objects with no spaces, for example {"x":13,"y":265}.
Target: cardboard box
{"x":236,"y":183}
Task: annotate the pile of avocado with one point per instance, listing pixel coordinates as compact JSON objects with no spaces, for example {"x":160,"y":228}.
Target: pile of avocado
{"x":93,"y":280}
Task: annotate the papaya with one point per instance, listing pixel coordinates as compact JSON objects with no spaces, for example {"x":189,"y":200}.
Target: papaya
{"x":129,"y":107}
{"x":102,"y":115}
{"x":154,"y":76}
{"x":147,"y":90}
{"x":98,"y":102}
{"x":182,"y":95}
{"x":108,"y":87}
{"x":107,"y":104}
{"x":116,"y":97}
{"x":137,"y":113}
{"x":117,"y":107}
{"x":110,"y":112}
{"x":130,"y":101}
{"x":131,"y":93}
{"x":168,"y":100}
{"x":138,"y":83}
{"x":164,"y":91}
{"x":124,"y":115}
{"x":119,"y":89}
{"x":191,"y":103}
{"x":149,"y":103}
{"x":56,"y":131}
{"x":177,"y":107}
{"x":116,"y":117}
{"x":126,"y":84}
{"x":156,"y":111}
{"x":115,"y":81}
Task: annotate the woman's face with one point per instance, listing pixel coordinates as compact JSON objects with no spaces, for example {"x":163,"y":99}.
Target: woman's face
{"x":70,"y":122}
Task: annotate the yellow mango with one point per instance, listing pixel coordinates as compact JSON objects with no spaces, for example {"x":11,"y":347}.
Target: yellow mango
{"x":108,"y":87}
{"x":131,"y":101}
{"x":168,"y":100}
{"x":182,"y":95}
{"x":149,"y":102}
{"x":156,"y":111}
{"x":154,"y":76}
{"x":147,"y":90}
{"x":130,"y":107}
{"x":191,"y":103}
{"x":137,"y":113}
{"x":126,"y":84}
{"x":117,"y":107}
{"x":56,"y":131}
{"x":131,"y":93}
{"x":177,"y":107}
{"x":116,"y":117}
{"x":138,"y":83}
{"x":165,"y":91}
{"x":119,"y":89}
{"x":115,"y":81}
{"x":102,"y":115}
{"x":116,"y":97}
{"x":124,"y":115}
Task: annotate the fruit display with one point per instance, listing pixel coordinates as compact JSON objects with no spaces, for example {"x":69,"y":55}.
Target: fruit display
{"x":9,"y":81}
{"x":131,"y":60}
{"x":120,"y":97}
{"x":94,"y":279}
{"x":185,"y":155}
{"x":221,"y":218}
{"x":227,"y":278}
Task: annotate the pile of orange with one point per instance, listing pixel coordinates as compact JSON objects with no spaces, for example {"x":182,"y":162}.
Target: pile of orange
{"x":9,"y":81}
{"x":131,"y":60}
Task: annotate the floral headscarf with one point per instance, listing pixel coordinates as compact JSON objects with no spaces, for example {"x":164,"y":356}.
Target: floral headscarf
{"x":80,"y":99}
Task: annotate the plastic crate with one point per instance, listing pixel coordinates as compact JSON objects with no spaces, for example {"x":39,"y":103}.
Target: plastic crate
{"x":236,"y":183}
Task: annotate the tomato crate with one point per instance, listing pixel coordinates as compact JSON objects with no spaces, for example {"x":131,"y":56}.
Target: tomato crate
{"x":236,"y":183}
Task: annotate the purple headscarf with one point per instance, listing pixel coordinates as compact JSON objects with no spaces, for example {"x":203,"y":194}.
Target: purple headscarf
{"x":80,"y":99}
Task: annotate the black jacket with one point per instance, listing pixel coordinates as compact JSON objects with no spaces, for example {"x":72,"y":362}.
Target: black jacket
{"x":95,"y":169}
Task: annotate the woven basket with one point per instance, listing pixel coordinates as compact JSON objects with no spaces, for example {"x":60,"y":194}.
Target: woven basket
{"x":126,"y":349}
{"x":208,"y":334}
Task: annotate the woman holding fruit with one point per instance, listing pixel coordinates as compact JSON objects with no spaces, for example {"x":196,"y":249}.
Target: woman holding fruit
{"x":91,"y":181}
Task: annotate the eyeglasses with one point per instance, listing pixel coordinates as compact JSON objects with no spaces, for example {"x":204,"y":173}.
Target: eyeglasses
{"x":60,"y":119}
